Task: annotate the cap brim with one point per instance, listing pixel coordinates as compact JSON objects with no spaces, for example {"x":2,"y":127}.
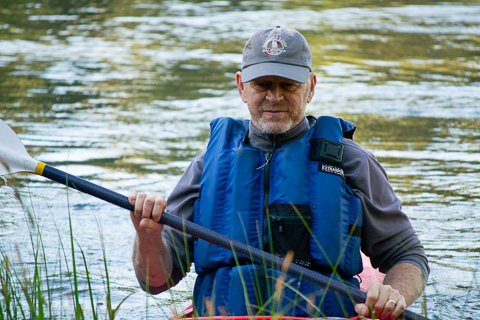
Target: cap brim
{"x":288,"y":71}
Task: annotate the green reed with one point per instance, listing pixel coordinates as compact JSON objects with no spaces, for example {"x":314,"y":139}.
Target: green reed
{"x":27,"y":288}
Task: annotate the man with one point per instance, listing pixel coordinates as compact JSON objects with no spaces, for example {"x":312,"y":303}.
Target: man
{"x":288,"y":184}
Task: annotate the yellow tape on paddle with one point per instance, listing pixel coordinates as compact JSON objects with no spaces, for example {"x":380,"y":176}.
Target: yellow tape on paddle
{"x":39,"y":168}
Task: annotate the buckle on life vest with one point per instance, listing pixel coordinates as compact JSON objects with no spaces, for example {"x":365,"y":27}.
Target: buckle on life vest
{"x":326,"y":150}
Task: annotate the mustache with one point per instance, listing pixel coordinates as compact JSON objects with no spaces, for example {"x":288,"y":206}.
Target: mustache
{"x":269,"y":107}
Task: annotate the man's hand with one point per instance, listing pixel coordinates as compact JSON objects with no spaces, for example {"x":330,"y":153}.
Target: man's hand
{"x":385,"y":302}
{"x":151,"y":257}
{"x":148,"y":211}
{"x":402,"y":285}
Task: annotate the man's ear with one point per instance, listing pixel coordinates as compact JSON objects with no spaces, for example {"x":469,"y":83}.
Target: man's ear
{"x":241,"y":86}
{"x":313,"y":83}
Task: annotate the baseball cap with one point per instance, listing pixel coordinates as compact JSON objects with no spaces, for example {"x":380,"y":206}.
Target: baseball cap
{"x":277,"y":52}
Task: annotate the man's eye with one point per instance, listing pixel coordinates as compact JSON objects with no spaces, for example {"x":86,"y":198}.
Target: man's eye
{"x":262,"y":85}
{"x":289,"y":86}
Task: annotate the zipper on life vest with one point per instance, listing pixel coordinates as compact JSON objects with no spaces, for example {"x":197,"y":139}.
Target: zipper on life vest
{"x":266,"y":197}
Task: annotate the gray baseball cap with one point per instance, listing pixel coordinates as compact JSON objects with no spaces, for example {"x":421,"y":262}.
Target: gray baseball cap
{"x":277,"y":52}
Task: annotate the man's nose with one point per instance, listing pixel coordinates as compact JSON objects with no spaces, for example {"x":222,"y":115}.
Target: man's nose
{"x":275,"y":94}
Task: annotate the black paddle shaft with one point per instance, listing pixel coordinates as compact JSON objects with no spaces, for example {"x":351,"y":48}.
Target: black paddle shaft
{"x":200,"y":232}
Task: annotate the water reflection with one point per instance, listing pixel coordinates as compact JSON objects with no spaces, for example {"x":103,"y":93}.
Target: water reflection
{"x":121,"y":93}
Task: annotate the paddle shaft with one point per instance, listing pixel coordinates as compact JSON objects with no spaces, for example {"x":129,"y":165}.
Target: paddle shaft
{"x":213,"y":237}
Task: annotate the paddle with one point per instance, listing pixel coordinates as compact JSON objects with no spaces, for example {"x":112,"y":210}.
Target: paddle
{"x":15,"y":158}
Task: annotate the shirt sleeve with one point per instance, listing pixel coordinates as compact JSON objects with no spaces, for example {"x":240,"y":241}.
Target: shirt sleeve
{"x":181,"y":203}
{"x":388,"y":237}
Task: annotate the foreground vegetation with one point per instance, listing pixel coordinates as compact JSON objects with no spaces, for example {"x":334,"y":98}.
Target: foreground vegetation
{"x":27,"y":289}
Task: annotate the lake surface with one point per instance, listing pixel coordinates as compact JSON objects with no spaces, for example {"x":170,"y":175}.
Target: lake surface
{"x":121,"y":93}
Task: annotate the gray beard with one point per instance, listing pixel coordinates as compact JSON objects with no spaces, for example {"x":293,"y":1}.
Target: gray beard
{"x":272,"y":127}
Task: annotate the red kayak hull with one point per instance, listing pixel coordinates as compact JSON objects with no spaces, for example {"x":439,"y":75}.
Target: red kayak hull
{"x":264,"y":318}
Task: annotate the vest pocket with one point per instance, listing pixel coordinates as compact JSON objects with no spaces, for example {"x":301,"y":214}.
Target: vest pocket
{"x":289,"y":231}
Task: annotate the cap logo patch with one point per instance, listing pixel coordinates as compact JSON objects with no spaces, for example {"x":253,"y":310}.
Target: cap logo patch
{"x":274,"y":46}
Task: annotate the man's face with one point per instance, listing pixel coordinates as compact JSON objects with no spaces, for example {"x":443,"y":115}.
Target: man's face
{"x":276,"y":104}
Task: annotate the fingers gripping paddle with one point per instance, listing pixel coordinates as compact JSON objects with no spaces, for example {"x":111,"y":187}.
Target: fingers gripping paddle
{"x":15,"y":158}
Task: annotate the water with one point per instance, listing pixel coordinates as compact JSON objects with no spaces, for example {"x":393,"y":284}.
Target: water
{"x":121,"y":93}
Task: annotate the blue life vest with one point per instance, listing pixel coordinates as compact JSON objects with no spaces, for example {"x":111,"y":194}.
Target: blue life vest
{"x":258,"y":203}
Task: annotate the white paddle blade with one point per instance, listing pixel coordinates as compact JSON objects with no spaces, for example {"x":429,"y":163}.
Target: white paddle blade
{"x":13,"y":155}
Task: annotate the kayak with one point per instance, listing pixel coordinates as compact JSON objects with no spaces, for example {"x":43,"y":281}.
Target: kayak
{"x":265,"y":318}
{"x":189,"y":316}
{"x":368,"y":276}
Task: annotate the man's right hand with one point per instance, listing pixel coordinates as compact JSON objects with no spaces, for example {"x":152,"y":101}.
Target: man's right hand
{"x":152,"y":260}
{"x":148,"y":211}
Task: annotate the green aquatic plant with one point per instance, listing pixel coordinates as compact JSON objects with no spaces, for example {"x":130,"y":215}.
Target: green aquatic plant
{"x":26,"y":289}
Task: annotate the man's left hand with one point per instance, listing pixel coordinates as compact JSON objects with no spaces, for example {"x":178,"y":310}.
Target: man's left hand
{"x":383,"y":302}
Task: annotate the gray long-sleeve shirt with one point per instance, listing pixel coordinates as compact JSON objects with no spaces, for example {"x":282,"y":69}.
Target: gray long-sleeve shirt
{"x":387,"y":234}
